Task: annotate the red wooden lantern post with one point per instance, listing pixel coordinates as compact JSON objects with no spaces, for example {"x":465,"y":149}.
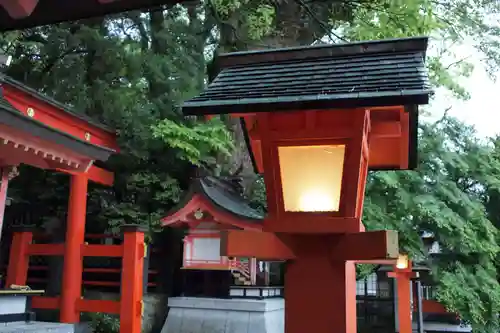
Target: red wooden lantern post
{"x":317,"y":119}
{"x":402,"y":274}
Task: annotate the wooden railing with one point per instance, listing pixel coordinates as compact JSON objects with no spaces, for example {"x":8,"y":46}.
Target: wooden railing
{"x":42,"y":281}
{"x":242,"y":266}
{"x":99,"y":273}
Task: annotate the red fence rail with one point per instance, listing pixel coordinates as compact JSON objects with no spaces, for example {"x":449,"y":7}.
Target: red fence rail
{"x":105,"y":278}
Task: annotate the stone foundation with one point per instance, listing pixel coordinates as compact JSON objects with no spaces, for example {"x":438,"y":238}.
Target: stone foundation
{"x":212,"y":315}
{"x":36,"y":327}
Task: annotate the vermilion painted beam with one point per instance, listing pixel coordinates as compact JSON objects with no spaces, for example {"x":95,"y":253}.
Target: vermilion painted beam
{"x":258,"y":244}
{"x":101,"y":176}
{"x":54,"y":117}
{"x":371,"y":245}
{"x":96,"y":175}
{"x":46,"y":249}
{"x":375,"y":245}
{"x":44,"y":302}
{"x":102,"y":270}
{"x":101,"y":283}
{"x":38,"y":268}
{"x":102,"y":250}
{"x":314,"y":225}
{"x":104,"y":306}
{"x":19,"y":8}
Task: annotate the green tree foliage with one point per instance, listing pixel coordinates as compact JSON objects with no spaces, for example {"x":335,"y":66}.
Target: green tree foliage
{"x":447,"y":195}
{"x":131,"y":71}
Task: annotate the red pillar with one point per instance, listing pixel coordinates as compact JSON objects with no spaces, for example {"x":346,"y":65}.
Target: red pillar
{"x":404,"y":303}
{"x":132,"y":279}
{"x":17,"y":270}
{"x":73,"y":260}
{"x":320,"y":294}
{"x":403,"y":284}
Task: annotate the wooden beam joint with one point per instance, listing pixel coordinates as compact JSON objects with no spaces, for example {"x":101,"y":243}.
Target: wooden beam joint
{"x":371,"y":245}
{"x":258,"y":244}
{"x":374,"y":245}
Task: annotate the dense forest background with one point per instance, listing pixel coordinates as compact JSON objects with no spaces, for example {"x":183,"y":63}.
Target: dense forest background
{"x":132,"y":71}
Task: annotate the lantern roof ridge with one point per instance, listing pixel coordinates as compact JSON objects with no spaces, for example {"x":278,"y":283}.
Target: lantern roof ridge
{"x":392,"y":45}
{"x":4,"y":79}
{"x":341,"y":76}
{"x":11,"y":117}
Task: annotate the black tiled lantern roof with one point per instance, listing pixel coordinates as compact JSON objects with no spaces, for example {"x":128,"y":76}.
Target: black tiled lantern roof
{"x":362,"y":74}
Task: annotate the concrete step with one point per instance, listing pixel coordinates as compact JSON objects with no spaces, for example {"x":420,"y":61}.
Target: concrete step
{"x":36,"y":327}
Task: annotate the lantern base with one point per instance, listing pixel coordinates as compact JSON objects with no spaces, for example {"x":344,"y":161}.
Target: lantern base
{"x":306,"y":224}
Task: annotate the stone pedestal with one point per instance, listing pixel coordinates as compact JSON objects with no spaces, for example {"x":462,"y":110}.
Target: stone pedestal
{"x":212,"y":315}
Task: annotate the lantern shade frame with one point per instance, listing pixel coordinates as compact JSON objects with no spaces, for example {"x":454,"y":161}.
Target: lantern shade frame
{"x":318,"y":188}
{"x":364,"y":93}
{"x":355,"y":139}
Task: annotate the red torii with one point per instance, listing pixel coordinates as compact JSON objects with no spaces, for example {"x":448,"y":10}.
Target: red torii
{"x":41,"y":132}
{"x":33,"y":121}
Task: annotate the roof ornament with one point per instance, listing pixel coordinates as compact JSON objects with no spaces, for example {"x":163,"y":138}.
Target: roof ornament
{"x":198,"y":214}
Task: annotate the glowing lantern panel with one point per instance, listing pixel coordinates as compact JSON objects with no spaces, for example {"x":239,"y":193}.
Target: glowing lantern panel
{"x":402,"y":262}
{"x":311,"y":177}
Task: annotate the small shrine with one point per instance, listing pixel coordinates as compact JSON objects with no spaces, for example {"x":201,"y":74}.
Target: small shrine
{"x":211,"y":208}
{"x":38,"y":131}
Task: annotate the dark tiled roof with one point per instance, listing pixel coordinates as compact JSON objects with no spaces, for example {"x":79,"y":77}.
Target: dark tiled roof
{"x":11,"y":117}
{"x":55,"y":11}
{"x":42,"y":97}
{"x":377,"y":73}
{"x":223,"y":195}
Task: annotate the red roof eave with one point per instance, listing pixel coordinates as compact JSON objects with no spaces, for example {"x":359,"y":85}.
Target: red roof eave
{"x":58,"y":118}
{"x":199,"y":203}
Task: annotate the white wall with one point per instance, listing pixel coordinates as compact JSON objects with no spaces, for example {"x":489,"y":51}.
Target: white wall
{"x":206,"y":249}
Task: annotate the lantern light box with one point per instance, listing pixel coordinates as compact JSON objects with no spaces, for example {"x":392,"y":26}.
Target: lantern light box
{"x":315,"y":185}
{"x":317,"y":119}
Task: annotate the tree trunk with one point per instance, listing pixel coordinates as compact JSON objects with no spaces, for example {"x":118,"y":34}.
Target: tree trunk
{"x":293,"y":27}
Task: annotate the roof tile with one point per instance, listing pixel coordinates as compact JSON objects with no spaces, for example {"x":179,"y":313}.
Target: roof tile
{"x":381,"y":73}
